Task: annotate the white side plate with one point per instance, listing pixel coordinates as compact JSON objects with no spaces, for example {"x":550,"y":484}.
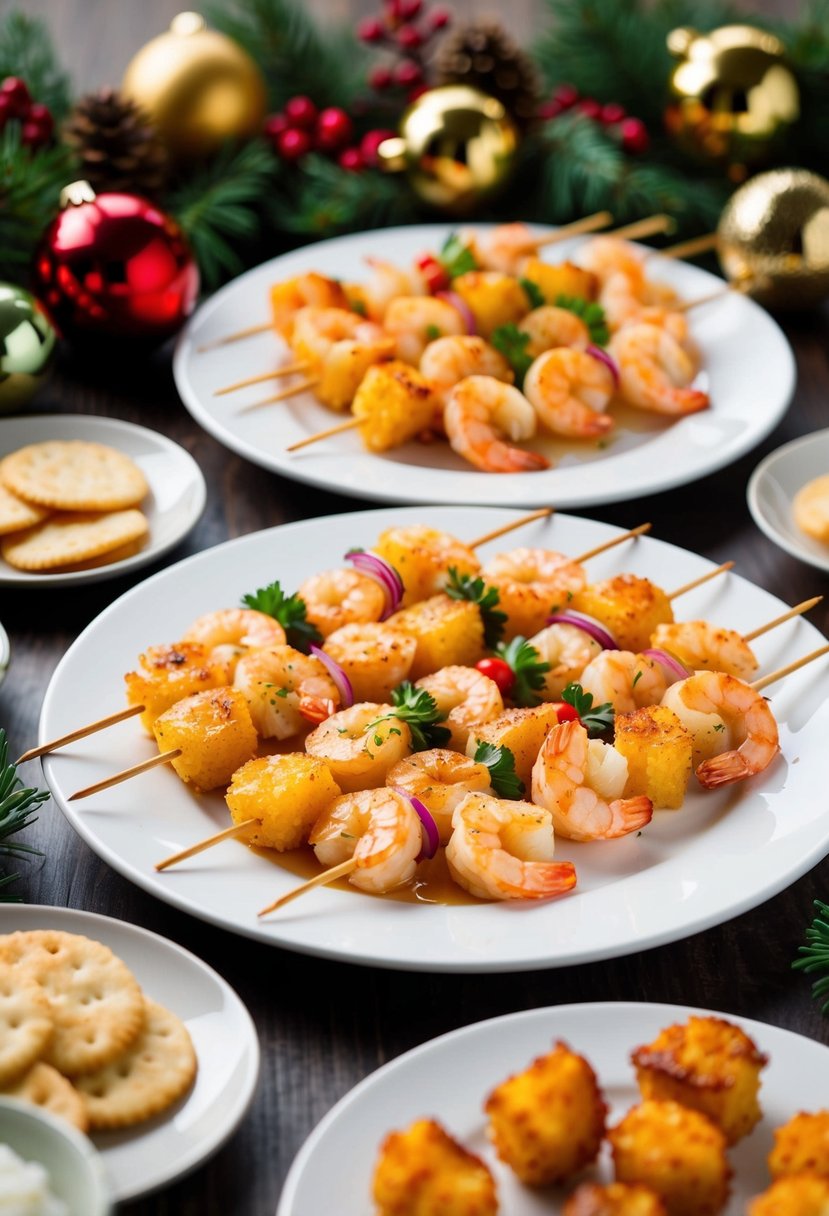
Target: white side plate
{"x":773,"y":486}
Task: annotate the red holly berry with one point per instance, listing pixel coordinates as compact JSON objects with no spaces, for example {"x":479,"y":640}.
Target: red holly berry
{"x":550,"y":109}
{"x":370,"y":142}
{"x":439,"y":18}
{"x":416,"y":92}
{"x":32,"y":135}
{"x":6,"y":110}
{"x":351,"y":158}
{"x":273,"y":127}
{"x":499,"y":672}
{"x":301,"y":112}
{"x":293,"y":143}
{"x":393,"y":12}
{"x":380,"y":78}
{"x":409,"y":38}
{"x":371,"y":30}
{"x":635,"y":138}
{"x":566,"y":95}
{"x":41,"y":116}
{"x":334,"y":128}
{"x":611,"y":114}
{"x":589,"y":107}
{"x":17,"y":93}
{"x":408,"y":73}
{"x":409,"y":9}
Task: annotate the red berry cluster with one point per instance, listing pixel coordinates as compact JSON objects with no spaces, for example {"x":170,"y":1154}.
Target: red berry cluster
{"x":406,"y":28}
{"x":301,"y":128}
{"x":36,"y":122}
{"x":631,"y":132}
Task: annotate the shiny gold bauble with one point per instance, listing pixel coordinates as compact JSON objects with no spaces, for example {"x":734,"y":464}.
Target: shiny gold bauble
{"x":773,"y":238}
{"x":27,"y":344}
{"x":457,"y":145}
{"x":732,"y":96}
{"x":198,"y":87}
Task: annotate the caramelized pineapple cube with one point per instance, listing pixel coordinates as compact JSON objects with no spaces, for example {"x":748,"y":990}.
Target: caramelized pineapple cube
{"x":522,"y":731}
{"x":168,"y":673}
{"x":394,"y":403}
{"x":658,"y":749}
{"x":494,"y":299}
{"x":423,"y":1171}
{"x":448,"y":633}
{"x":629,"y":607}
{"x":284,"y":794}
{"x":561,"y":279}
{"x":801,"y":1144}
{"x":615,"y":1199}
{"x":794,"y":1195}
{"x":213,"y":731}
{"x":423,"y":557}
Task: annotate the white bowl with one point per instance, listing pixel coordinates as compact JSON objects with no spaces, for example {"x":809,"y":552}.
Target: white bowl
{"x":76,"y":1174}
{"x":772,"y":488}
{"x":5,"y":653}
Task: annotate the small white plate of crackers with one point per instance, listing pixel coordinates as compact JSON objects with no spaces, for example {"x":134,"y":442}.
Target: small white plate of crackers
{"x":85,"y":498}
{"x":788,"y":496}
{"x":131,"y":1038}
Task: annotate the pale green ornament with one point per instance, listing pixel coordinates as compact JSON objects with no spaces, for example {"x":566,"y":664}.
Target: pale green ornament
{"x":27,"y":344}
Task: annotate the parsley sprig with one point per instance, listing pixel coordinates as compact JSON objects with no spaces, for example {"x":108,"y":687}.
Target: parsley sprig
{"x":815,"y":955}
{"x":455,"y":257}
{"x":512,"y":343}
{"x":533,"y":293}
{"x":591,"y":313}
{"x":17,"y":804}
{"x":528,"y":668}
{"x":419,"y":710}
{"x":501,"y":764}
{"x":475,"y":590}
{"x":291,"y":612}
{"x":596,"y":719}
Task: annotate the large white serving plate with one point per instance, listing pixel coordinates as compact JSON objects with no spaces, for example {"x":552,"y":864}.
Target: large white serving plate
{"x":156,"y":1153}
{"x":748,"y":368}
{"x":449,"y":1078}
{"x":721,"y":854}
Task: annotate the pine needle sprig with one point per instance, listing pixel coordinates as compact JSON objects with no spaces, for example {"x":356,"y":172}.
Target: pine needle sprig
{"x":319,"y":199}
{"x":815,"y":955}
{"x":17,"y":806}
{"x":30,"y":186}
{"x":27,"y":51}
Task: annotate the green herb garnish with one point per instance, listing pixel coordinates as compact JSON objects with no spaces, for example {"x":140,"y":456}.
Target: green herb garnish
{"x":596,"y":719}
{"x":358,"y":306}
{"x":591,"y":313}
{"x":533,"y":293}
{"x":455,"y":257}
{"x":475,"y":590}
{"x":815,"y":955}
{"x":512,"y":343}
{"x":17,"y":804}
{"x":433,"y":332}
{"x":501,"y":764}
{"x":291,"y":612}
{"x":419,"y":710}
{"x":528,"y":668}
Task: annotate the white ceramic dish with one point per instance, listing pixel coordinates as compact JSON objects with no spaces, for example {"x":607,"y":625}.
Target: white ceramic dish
{"x":679,"y":877}
{"x":73,"y":1167}
{"x":771,"y":492}
{"x":748,"y":369}
{"x":5,"y":653}
{"x":174,"y":504}
{"x":157,"y":1153}
{"x":450,"y":1077}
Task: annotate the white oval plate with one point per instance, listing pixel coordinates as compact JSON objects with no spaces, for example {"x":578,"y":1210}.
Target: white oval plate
{"x":5,"y":653}
{"x":771,"y":492}
{"x":748,"y":368}
{"x":723,"y":853}
{"x":449,"y":1078}
{"x":156,"y":1153}
{"x":175,"y":501}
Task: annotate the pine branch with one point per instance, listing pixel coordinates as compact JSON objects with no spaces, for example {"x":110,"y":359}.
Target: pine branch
{"x":26,"y":50}
{"x":320,"y":199}
{"x":17,"y":805}
{"x":30,"y":186}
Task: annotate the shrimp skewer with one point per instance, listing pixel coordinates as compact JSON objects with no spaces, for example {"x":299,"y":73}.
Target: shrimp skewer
{"x":655,"y":371}
{"x":506,"y":247}
{"x":569,"y":391}
{"x":481,"y":415}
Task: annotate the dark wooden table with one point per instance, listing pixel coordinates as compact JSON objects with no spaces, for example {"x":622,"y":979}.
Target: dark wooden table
{"x":323,"y":1026}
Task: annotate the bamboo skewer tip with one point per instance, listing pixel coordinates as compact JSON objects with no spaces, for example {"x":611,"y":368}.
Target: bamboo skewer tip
{"x":320,"y":880}
{"x":125,"y":774}
{"x":773,"y":676}
{"x":91,"y":727}
{"x":698,"y":582}
{"x":235,"y":829}
{"x":541,"y":513}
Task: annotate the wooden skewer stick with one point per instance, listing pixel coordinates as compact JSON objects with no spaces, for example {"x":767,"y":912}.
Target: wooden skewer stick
{"x":699,"y":581}
{"x":292,"y":391}
{"x":240,"y":333}
{"x":798,"y":610}
{"x":126,"y":773}
{"x":590,"y":223}
{"x":287,"y":370}
{"x":611,"y":544}
{"x":341,"y":427}
{"x":340,"y":871}
{"x":81,"y":733}
{"x":235,"y":829}
{"x":686,"y":249}
{"x":541,"y":513}
{"x":651,"y":226}
{"x":758,"y":685}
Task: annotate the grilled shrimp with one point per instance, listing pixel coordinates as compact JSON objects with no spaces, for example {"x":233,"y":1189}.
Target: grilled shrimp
{"x":386,"y":283}
{"x":231,"y":632}
{"x":374,"y":656}
{"x":317,"y":330}
{"x":568,"y":650}
{"x":342,"y":597}
{"x":581,"y":782}
{"x":441,"y":779}
{"x":504,"y":248}
{"x":569,"y":389}
{"x":706,"y":647}
{"x":379,"y":829}
{"x":285,"y":690}
{"x":504,"y":850}
{"x":531,"y":583}
{"x":608,"y":255}
{"x":304,"y":290}
{"x":628,"y":681}
{"x":360,"y":744}
{"x":415,"y":321}
{"x":549,"y":327}
{"x":480,"y":412}
{"x":655,"y":371}
{"x":467,"y":698}
{"x":448,"y":360}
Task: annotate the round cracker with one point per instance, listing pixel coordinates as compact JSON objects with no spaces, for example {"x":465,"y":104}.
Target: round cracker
{"x":70,"y":539}
{"x":25,"y":1023}
{"x":158,"y":1068}
{"x":44,"y":1086}
{"x":811,"y":508}
{"x":72,"y":475}
{"x":16,"y":513}
{"x":96,"y":1003}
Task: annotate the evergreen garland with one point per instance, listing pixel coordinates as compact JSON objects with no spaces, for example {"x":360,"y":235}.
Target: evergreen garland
{"x":30,"y":186}
{"x":26,"y":50}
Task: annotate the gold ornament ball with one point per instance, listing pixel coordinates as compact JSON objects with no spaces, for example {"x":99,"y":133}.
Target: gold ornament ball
{"x":457,"y":145}
{"x":198,"y":87}
{"x":732,"y":96}
{"x":27,"y":344}
{"x":773,"y":238}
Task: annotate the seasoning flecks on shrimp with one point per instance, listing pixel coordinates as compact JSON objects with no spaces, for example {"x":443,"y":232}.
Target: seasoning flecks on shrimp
{"x":655,"y":372}
{"x":446,"y":361}
{"x":465,"y":697}
{"x":441,"y":779}
{"x":285,"y":690}
{"x":375,"y":656}
{"x":504,"y":248}
{"x":567,"y":649}
{"x":341,"y":597}
{"x":361,"y":744}
{"x":422,"y":557}
{"x":481,"y":415}
{"x":706,"y":647}
{"x":627,"y":680}
{"x":531,"y":583}
{"x":379,"y":829}
{"x":312,"y":290}
{"x":415,"y":321}
{"x":569,"y":390}
{"x":549,"y":327}
{"x":231,"y":633}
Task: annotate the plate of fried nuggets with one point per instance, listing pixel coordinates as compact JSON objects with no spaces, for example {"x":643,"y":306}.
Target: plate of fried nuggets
{"x":125,"y":1052}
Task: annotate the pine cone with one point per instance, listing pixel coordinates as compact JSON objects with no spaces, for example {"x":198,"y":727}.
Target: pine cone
{"x":117,"y":146}
{"x":483,"y":55}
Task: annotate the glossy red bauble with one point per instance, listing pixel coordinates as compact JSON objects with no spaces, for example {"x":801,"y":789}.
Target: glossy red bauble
{"x":114,"y":266}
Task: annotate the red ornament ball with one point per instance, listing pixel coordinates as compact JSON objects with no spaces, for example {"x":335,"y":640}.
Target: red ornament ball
{"x":293,"y":144}
{"x":301,"y":112}
{"x":115,"y":266}
{"x":334,"y":129}
{"x":635,"y":138}
{"x":409,"y":8}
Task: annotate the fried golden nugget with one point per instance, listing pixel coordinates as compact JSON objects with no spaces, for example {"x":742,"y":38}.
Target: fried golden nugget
{"x":801,"y":1145}
{"x":423,"y":1171}
{"x":794,"y":1195}
{"x":615,"y":1199}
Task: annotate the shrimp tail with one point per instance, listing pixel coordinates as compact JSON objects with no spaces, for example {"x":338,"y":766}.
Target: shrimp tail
{"x":514,"y":460}
{"x":548,"y":881}
{"x":684,"y":401}
{"x":629,"y":815}
{"x":724,"y":769}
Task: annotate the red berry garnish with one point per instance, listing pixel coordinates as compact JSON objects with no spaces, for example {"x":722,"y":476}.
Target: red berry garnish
{"x":566,"y":95}
{"x":41,"y":116}
{"x":565,"y":712}
{"x":409,"y":9}
{"x":6,"y":109}
{"x":371,"y":30}
{"x":32,"y":136}
{"x":439,"y":18}
{"x":380,"y":78}
{"x":409,"y":37}
{"x":612,"y":113}
{"x":351,"y":158}
{"x":589,"y":107}
{"x":408,"y":73}
{"x":393,"y":11}
{"x":334,"y":128}
{"x":301,"y":112}
{"x":293,"y":143}
{"x":635,"y":138}
{"x":370,"y":142}
{"x":550,"y":109}
{"x":16,"y":90}
{"x":274,"y":125}
{"x":499,"y":672}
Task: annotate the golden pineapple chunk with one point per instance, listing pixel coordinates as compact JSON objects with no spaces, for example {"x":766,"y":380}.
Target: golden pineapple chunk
{"x":344,"y":369}
{"x":522,"y":731}
{"x":658,"y":749}
{"x":629,"y":607}
{"x":709,"y":1064}
{"x":794,"y":1195}
{"x":494,"y":299}
{"x":675,"y":1151}
{"x":561,"y":279}
{"x":423,"y":1171}
{"x":168,"y":673}
{"x":615,"y":1199}
{"x":423,"y":557}
{"x":394,"y":403}
{"x":213,"y":731}
{"x":548,"y":1122}
{"x":801,"y":1145}
{"x":284,"y":794}
{"x":448,"y":633}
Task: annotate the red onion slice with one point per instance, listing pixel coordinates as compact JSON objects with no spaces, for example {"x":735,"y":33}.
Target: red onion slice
{"x":337,"y":675}
{"x":609,"y":362}
{"x":593,"y":628}
{"x":460,"y":304}
{"x":674,"y":669}
{"x":382,"y":572}
{"x":431,"y":835}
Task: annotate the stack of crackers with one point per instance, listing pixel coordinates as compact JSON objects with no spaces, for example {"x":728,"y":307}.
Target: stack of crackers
{"x":80,"y":1038}
{"x":69,"y":505}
